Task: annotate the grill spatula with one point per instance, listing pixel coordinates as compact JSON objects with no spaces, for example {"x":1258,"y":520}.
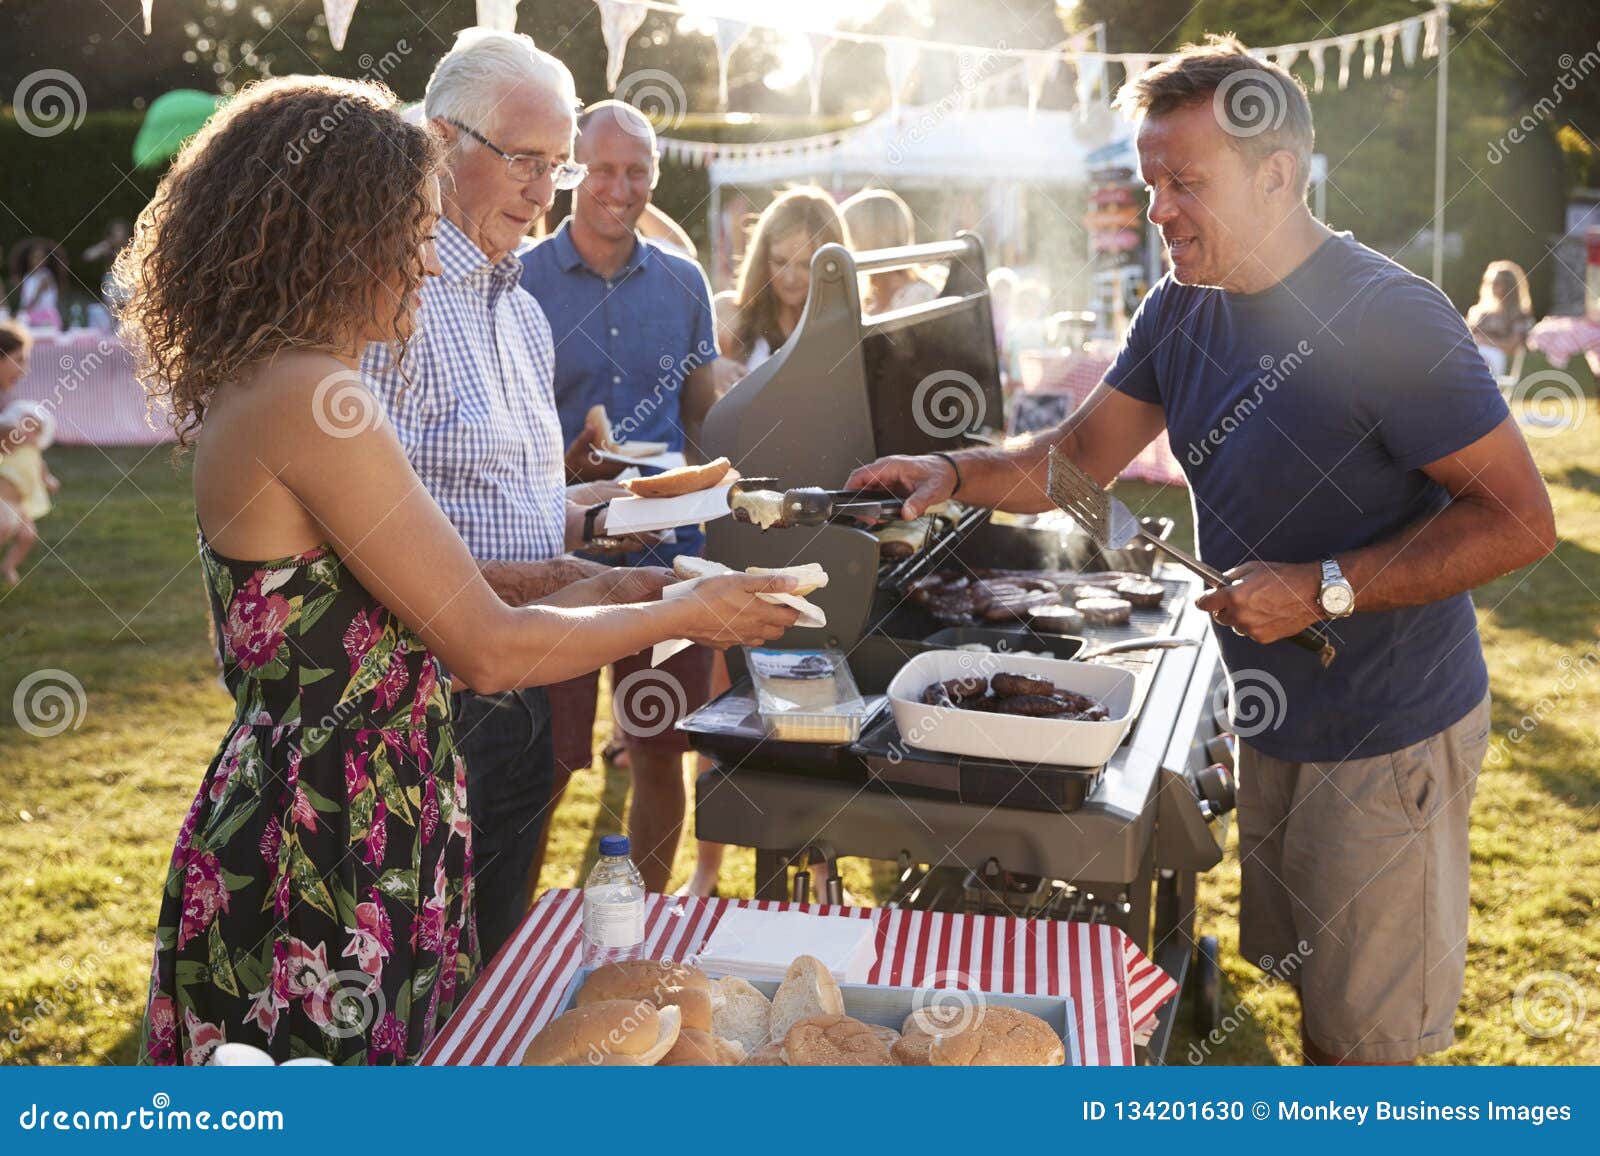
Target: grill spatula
{"x":1113,"y":527}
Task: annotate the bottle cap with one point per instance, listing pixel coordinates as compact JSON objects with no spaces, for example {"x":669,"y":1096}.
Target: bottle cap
{"x":614,"y":845}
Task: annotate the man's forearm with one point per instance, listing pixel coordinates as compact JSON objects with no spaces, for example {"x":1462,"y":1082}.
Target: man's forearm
{"x":519,"y":583}
{"x":1470,"y":542}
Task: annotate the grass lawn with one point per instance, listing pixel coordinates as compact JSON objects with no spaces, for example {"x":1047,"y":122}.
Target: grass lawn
{"x":113,"y":599}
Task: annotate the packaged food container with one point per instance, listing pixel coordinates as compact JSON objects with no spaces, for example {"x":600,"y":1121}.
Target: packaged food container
{"x":806,"y":696}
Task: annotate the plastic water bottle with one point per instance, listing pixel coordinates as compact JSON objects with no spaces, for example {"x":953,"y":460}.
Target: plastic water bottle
{"x":613,"y":906}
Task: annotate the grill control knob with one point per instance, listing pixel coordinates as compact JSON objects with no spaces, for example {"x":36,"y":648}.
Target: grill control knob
{"x":1215,"y":784}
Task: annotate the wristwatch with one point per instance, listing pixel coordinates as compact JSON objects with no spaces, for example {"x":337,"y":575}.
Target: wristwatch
{"x":1337,"y":597}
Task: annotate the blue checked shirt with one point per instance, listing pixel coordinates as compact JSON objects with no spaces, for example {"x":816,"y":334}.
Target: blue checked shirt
{"x":478,"y":416}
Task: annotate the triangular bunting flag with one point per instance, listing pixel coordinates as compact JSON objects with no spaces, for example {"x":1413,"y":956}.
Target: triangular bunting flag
{"x":500,"y":15}
{"x":899,"y":61}
{"x":1319,"y":64}
{"x":338,"y":13}
{"x":1369,"y":57}
{"x":1091,"y":71}
{"x":1430,"y":34}
{"x":820,"y":42}
{"x":1410,"y":37}
{"x":1388,"y":50}
{"x":1287,"y":58}
{"x":1347,"y":49}
{"x":728,"y":35}
{"x":147,"y":5}
{"x":619,"y":20}
{"x":1039,"y":68}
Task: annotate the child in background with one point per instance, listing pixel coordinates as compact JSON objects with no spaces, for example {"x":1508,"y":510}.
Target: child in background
{"x":26,"y":431}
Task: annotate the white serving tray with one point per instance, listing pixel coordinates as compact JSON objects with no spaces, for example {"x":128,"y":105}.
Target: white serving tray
{"x":889,"y":1006}
{"x":1057,"y":742}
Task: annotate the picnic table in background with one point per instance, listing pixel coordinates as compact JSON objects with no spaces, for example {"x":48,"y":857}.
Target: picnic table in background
{"x":1055,"y":382}
{"x":85,"y":377}
{"x":1116,"y":990}
{"x":1562,"y":338}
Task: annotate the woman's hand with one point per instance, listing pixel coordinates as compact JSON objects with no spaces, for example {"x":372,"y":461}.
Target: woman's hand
{"x":724,"y":611}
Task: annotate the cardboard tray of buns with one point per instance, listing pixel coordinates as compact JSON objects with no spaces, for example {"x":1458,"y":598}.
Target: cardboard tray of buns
{"x":889,"y":1006}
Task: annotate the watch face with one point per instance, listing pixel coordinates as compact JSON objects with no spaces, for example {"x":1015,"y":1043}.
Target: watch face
{"x":1337,"y":598}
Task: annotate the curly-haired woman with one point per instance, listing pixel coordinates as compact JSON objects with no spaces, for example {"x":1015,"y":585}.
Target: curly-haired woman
{"x":319,"y":897}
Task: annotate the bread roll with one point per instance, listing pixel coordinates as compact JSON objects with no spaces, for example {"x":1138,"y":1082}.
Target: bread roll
{"x":683,"y":480}
{"x":770,"y":1056}
{"x":656,"y":982}
{"x":687,"y":566}
{"x":999,"y":1037}
{"x":702,"y":1050}
{"x":810,"y":575}
{"x":610,"y":1033}
{"x":745,"y":1014}
{"x":919,"y":1031}
{"x":808,"y":989}
{"x":834,"y":1041}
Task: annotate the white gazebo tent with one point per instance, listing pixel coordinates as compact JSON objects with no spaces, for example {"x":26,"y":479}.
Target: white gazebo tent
{"x":1001,"y":152}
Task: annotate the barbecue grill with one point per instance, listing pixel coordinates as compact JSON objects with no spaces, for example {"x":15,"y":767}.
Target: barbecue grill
{"x":1121,"y":843}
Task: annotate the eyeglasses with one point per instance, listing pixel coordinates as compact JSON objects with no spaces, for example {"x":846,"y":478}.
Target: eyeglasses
{"x":525,"y":167}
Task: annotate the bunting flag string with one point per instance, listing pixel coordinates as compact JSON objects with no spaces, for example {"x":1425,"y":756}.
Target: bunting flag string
{"x":1408,"y":32}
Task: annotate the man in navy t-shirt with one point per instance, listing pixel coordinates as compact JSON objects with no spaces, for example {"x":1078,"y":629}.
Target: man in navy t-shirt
{"x":1352,"y":465}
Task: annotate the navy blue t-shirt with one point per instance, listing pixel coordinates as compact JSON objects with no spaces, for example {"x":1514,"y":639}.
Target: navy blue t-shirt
{"x":1302,"y":416}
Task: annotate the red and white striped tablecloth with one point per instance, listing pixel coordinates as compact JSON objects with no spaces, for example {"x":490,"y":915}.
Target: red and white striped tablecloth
{"x":84,"y":377}
{"x":1115,"y":989}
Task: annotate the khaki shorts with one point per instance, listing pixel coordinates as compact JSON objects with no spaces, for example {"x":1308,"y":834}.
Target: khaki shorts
{"x":1354,"y":888}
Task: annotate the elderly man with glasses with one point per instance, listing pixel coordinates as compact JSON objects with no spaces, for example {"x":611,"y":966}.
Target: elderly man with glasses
{"x":473,"y":404}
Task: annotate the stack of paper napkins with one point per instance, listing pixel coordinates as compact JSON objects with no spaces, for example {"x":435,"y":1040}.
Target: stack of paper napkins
{"x":761,"y":944}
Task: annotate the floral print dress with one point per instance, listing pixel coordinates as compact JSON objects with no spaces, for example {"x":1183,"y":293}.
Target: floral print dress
{"x":319,"y":898}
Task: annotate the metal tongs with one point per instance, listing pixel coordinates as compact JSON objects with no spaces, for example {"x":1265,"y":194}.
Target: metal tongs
{"x":1113,"y":526}
{"x":814,"y":506}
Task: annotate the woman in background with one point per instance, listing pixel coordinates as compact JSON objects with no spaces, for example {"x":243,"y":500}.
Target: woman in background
{"x":775,"y":276}
{"x":41,"y":273}
{"x":879,"y":219}
{"x":319,"y":898}
{"x":1503,"y":315}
